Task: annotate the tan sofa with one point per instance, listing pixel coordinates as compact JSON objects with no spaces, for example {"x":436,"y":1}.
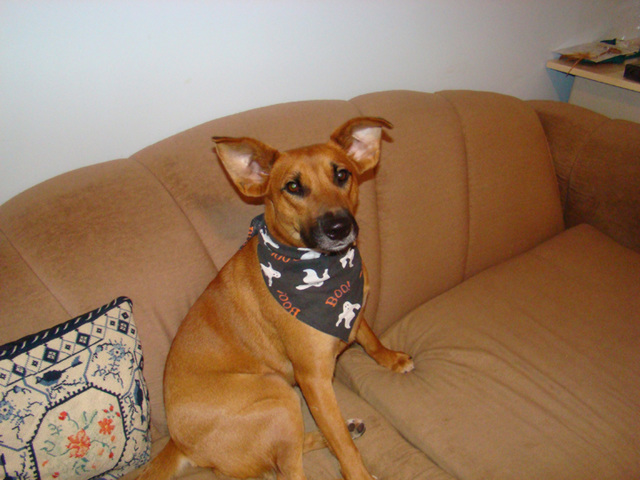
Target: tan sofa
{"x":502,"y":238}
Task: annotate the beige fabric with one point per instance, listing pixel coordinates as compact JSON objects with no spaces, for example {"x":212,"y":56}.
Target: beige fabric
{"x":569,"y":128}
{"x":98,"y":233}
{"x":513,"y":196}
{"x":421,"y":201}
{"x":528,"y":370}
{"x":22,"y":289}
{"x":599,"y":175}
{"x":605,"y":185}
{"x":455,"y":193}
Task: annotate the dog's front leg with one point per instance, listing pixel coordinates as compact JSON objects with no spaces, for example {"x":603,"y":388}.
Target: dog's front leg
{"x":396,"y":361}
{"x":321,"y":399}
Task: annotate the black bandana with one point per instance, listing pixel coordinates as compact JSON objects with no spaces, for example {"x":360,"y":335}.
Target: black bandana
{"x":325,"y":291}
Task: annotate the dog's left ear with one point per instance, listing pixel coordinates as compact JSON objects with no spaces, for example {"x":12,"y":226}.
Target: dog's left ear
{"x":360,"y":138}
{"x":248,"y":162}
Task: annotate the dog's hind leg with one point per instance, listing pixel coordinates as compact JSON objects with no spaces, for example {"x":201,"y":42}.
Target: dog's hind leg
{"x":241,"y":425}
{"x":314,"y":441}
{"x":168,"y":462}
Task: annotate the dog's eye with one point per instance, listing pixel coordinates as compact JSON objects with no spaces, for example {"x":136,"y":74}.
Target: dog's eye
{"x":294,"y":188}
{"x":341,"y":175}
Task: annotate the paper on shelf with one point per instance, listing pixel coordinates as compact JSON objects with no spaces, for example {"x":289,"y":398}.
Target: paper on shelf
{"x":598,"y":52}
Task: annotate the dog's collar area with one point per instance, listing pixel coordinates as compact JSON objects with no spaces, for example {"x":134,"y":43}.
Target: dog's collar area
{"x":259,"y":226}
{"x":323,"y":290}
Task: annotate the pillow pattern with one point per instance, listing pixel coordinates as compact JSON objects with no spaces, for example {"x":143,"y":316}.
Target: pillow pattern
{"x":73,"y":401}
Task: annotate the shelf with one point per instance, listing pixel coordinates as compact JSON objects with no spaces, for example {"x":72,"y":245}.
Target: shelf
{"x":608,"y":73}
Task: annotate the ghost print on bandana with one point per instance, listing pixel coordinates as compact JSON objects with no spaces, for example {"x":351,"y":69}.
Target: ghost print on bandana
{"x":323,"y":290}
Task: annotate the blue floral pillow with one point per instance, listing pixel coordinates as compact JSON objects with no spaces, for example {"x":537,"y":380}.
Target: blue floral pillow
{"x":73,"y":401}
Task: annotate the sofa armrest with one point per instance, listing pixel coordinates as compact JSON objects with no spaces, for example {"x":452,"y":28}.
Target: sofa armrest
{"x":597,"y":162}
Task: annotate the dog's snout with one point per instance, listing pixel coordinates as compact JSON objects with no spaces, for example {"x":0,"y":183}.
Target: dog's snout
{"x":332,"y":232}
{"x":337,"y":227}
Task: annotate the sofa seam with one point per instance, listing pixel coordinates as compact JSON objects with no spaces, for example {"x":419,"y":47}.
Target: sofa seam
{"x":180,"y":208}
{"x":554,"y":171}
{"x":29,"y":265}
{"x":576,"y":160}
{"x":465,"y":262}
{"x":376,"y":191}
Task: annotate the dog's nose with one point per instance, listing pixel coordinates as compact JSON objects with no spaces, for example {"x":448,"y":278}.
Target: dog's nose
{"x":337,"y":226}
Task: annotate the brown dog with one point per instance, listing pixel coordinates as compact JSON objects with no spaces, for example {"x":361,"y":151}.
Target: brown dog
{"x":229,"y":375}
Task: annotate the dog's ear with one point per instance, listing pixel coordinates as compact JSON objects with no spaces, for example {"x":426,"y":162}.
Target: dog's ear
{"x":248,"y":162}
{"x":360,"y":138}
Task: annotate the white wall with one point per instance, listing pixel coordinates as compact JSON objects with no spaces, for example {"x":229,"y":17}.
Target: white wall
{"x":87,"y":81}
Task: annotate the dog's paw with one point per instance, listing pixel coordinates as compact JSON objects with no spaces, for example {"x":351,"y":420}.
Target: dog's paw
{"x":403,"y":364}
{"x":356,"y":427}
{"x":398,"y":362}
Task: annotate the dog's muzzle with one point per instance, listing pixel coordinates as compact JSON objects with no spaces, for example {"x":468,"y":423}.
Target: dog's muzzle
{"x":332,"y":232}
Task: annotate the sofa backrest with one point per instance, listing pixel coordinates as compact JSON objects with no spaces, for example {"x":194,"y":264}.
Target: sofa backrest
{"x":466,"y":182}
{"x":597,"y":161}
{"x":82,"y":239}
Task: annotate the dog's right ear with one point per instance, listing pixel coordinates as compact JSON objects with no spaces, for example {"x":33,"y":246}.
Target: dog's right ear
{"x":248,"y":162}
{"x":360,"y":138}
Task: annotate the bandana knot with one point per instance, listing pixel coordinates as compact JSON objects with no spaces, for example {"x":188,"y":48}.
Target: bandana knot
{"x":323,"y":290}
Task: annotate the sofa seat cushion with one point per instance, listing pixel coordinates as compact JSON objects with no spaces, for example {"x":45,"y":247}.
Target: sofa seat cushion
{"x":528,"y":370}
{"x":385,"y":453}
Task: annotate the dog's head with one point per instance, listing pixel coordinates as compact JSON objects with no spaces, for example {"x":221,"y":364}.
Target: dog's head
{"x":310,"y":193}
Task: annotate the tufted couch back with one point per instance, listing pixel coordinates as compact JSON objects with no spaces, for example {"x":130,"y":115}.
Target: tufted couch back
{"x":467,"y":181}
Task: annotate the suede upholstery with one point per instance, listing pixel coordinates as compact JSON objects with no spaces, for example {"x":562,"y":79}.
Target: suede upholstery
{"x":501,"y":238}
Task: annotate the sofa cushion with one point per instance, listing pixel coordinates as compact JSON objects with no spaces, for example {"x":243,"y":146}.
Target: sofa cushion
{"x":385,"y":453}
{"x":529,"y":370}
{"x":80,"y":239}
{"x":73,"y":400}
{"x":598,"y":167}
{"x":467,"y":181}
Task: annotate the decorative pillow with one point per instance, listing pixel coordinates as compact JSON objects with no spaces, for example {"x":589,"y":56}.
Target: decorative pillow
{"x":73,"y":401}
